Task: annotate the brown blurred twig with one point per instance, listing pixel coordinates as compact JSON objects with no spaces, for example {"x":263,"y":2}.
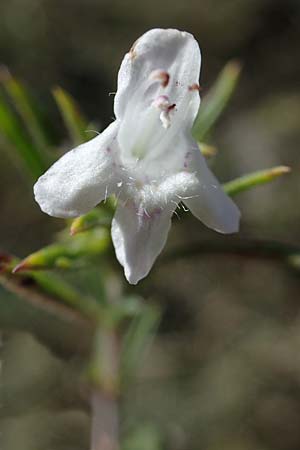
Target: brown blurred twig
{"x":245,"y":247}
{"x":27,"y":289}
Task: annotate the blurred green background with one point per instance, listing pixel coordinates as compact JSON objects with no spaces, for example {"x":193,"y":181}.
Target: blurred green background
{"x":224,"y":372}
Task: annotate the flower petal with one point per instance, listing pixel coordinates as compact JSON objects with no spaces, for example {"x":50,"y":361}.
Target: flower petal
{"x":209,"y":203}
{"x":169,"y":50}
{"x":138,"y":237}
{"x":80,"y":179}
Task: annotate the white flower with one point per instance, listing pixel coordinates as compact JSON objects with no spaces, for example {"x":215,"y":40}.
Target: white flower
{"x":146,"y":157}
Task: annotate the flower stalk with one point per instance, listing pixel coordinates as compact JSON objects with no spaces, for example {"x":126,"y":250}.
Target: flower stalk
{"x":105,"y":422}
{"x":104,"y":376}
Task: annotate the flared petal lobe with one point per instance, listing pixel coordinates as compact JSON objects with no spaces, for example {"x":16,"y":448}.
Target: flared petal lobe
{"x":138,"y":237}
{"x":81,"y":178}
{"x":175,"y":52}
{"x":142,"y":222}
{"x":207,"y":200}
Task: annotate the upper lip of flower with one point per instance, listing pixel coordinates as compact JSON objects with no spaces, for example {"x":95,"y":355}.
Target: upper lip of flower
{"x":147,"y":157}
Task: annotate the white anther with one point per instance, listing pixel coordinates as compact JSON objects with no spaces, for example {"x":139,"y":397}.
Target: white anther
{"x":162,"y":102}
{"x":165,"y":119}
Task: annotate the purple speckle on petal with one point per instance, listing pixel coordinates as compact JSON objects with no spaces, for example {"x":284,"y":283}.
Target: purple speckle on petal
{"x":186,"y":159}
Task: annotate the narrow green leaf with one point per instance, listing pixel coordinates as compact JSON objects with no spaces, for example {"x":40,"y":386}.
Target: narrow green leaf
{"x":216,"y":100}
{"x":54,"y":285}
{"x":13,"y":133}
{"x":98,"y":217}
{"x":47,"y":291}
{"x":251,"y":180}
{"x":61,"y":254}
{"x":138,"y":338}
{"x":125,"y":309}
{"x":145,"y":437}
{"x":73,"y":118}
{"x":207,"y":150}
{"x":25,"y":106}
{"x":294,"y":261}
